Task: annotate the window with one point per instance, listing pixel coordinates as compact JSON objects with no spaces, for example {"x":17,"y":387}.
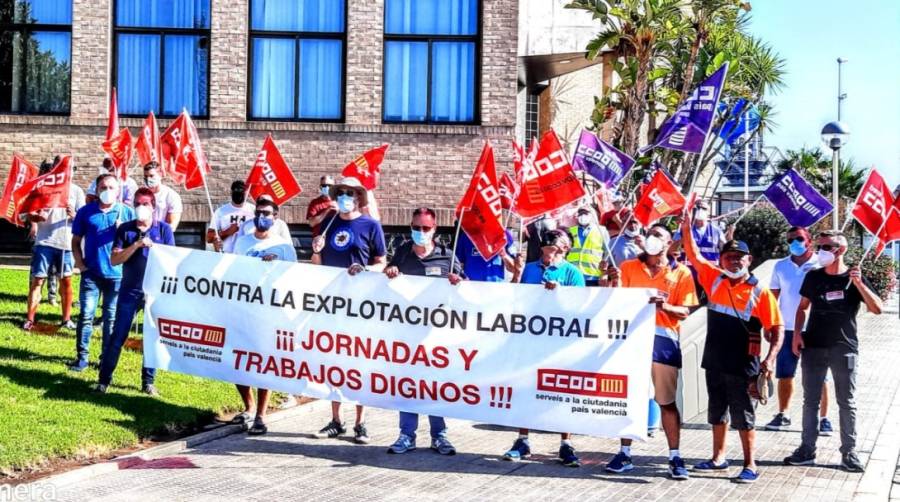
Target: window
{"x":35,"y":56}
{"x":430,"y":61}
{"x":532,"y":116}
{"x":297,"y":59}
{"x":162,"y":57}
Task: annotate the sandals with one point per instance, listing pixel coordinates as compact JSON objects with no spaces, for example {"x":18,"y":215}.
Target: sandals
{"x":259,"y":428}
{"x":242,"y":418}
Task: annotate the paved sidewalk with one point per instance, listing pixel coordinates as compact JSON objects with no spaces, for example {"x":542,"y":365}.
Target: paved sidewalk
{"x":289,"y":463}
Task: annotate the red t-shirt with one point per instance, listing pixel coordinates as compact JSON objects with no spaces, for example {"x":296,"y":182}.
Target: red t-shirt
{"x":318,"y":206}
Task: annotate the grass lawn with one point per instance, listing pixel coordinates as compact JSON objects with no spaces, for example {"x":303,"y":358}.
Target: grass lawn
{"x":48,"y":413}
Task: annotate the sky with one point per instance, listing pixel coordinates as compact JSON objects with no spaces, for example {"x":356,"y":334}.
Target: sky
{"x":810,"y":35}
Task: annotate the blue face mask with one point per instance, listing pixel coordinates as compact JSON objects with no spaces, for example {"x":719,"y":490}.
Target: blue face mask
{"x":421,"y":238}
{"x":797,"y":248}
{"x":263,"y":223}
{"x":346,"y":203}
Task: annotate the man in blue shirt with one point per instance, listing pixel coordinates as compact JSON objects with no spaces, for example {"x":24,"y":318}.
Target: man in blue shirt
{"x":552,"y":270}
{"x":130,"y":249}
{"x":477,"y":268}
{"x":95,"y":227}
{"x":355,"y":241}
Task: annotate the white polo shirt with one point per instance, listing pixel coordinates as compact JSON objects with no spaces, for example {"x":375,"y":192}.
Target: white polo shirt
{"x":788,"y":277}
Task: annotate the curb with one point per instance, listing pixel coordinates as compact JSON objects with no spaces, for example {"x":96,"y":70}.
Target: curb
{"x":877,"y":481}
{"x":167,"y":449}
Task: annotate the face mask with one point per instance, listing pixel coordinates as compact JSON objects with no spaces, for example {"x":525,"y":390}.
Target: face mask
{"x":584,"y":220}
{"x":421,"y":238}
{"x":736,"y":275}
{"x":825,"y":257}
{"x":152,"y":181}
{"x":797,"y":248}
{"x":238,"y":196}
{"x":107,"y":197}
{"x":326,"y":191}
{"x":702,"y":216}
{"x":263,"y":223}
{"x":144,"y":213}
{"x":346,"y":203}
{"x":630,"y":233}
{"x":653,"y":245}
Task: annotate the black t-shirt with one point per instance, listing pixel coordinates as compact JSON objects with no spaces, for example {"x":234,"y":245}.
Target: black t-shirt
{"x":833,"y":309}
{"x":436,"y":264}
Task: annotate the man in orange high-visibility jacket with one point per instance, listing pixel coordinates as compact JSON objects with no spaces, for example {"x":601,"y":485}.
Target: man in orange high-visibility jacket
{"x":739,"y":309}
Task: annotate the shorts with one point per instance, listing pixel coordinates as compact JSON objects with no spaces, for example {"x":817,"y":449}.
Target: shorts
{"x":729,"y":396}
{"x":45,"y":260}
{"x":786,"y":361}
{"x":665,"y":383}
{"x":666,"y":351}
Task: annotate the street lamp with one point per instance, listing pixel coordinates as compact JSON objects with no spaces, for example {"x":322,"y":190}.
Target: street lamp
{"x":834,"y":134}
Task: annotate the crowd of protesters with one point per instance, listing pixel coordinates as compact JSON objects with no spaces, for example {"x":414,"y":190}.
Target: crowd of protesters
{"x":806,"y":315}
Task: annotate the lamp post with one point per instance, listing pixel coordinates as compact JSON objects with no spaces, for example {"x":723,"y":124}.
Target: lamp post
{"x":834,"y":134}
{"x":841,"y":94}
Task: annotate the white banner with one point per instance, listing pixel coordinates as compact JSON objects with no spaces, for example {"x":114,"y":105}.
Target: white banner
{"x":571,"y":360}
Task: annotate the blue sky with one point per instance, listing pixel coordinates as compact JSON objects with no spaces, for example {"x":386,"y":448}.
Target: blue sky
{"x":811,"y":35}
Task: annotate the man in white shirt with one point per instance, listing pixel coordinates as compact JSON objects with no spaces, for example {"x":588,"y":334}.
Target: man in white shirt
{"x":53,"y":250}
{"x":224,"y":229}
{"x":168,"y":202}
{"x":785,"y":285}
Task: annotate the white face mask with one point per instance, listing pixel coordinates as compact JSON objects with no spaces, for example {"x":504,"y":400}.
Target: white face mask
{"x":584,"y":220}
{"x":653,"y":245}
{"x":702,"y":216}
{"x":736,"y":275}
{"x":152,"y":181}
{"x":107,"y":197}
{"x":825,"y":257}
{"x":144,"y":213}
{"x":630,"y":233}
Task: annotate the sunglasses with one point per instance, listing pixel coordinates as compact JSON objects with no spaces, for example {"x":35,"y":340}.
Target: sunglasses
{"x":345,"y":192}
{"x":827,"y":247}
{"x":421,"y":228}
{"x":796,"y":239}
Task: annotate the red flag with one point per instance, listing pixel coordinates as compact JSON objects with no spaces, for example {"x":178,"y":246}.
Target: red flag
{"x":112,"y":126}
{"x":20,"y":173}
{"x":482,"y":205}
{"x":508,"y":191}
{"x":872,"y":203}
{"x":691,"y":202}
{"x":148,"y":145}
{"x":169,"y":141}
{"x":45,"y":192}
{"x":890,"y":231}
{"x":120,"y":149}
{"x":190,"y":161}
{"x":659,"y":198}
{"x":367,"y":166}
{"x":549,"y":182}
{"x":271,"y":175}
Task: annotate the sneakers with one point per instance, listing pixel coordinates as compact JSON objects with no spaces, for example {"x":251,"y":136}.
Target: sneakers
{"x":100,"y":388}
{"x":259,"y":427}
{"x":27,"y":325}
{"x":567,"y":456}
{"x":780,"y":423}
{"x":360,"y":434}
{"x":78,"y":365}
{"x":620,"y":463}
{"x":709,"y":465}
{"x":801,"y":456}
{"x":68,"y":324}
{"x":850,"y":462}
{"x":677,"y":470}
{"x":747,"y":476}
{"x":149,"y":389}
{"x":825,"y":428}
{"x":520,"y":449}
{"x":443,"y":446}
{"x":402,"y":445}
{"x":332,"y":430}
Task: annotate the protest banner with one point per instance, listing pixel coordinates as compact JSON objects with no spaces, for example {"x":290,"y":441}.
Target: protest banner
{"x":568,"y":360}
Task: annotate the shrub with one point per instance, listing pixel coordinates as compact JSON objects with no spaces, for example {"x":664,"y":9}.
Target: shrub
{"x":879,"y":270}
{"x":763,"y":230}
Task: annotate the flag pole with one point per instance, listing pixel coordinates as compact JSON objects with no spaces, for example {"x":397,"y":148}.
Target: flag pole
{"x":462,"y":213}
{"x":622,"y":230}
{"x":866,"y":253}
{"x":747,"y":209}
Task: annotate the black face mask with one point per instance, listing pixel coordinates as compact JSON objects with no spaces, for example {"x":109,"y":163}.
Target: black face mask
{"x":238,"y":196}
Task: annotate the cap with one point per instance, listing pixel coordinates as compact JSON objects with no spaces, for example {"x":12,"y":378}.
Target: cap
{"x":583,"y":210}
{"x":735,"y":245}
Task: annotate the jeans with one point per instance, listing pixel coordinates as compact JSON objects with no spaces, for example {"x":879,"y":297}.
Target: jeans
{"x":814,"y":363}
{"x":409,"y":422}
{"x":129,"y":303}
{"x":91,"y":288}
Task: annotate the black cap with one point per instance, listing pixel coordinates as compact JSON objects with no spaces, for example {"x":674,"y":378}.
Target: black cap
{"x":238,"y":186}
{"x":735,"y":245}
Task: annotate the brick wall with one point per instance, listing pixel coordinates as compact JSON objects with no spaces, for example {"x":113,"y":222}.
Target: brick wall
{"x":427,"y":164}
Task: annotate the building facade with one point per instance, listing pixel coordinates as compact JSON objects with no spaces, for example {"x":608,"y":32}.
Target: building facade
{"x":328,"y":78}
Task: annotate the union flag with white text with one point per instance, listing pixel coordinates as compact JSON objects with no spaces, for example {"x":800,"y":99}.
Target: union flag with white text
{"x":549,"y":182}
{"x":20,"y":172}
{"x":660,"y":198}
{"x":271,"y":175}
{"x":367,"y":167}
{"x":481,"y":208}
{"x":45,"y":192}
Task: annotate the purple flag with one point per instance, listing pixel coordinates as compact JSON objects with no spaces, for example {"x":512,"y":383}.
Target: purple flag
{"x":797,"y":200}
{"x":601,"y":160}
{"x":687,"y":128}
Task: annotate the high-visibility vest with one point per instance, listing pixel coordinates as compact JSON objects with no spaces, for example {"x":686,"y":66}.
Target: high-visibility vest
{"x":587,"y":255}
